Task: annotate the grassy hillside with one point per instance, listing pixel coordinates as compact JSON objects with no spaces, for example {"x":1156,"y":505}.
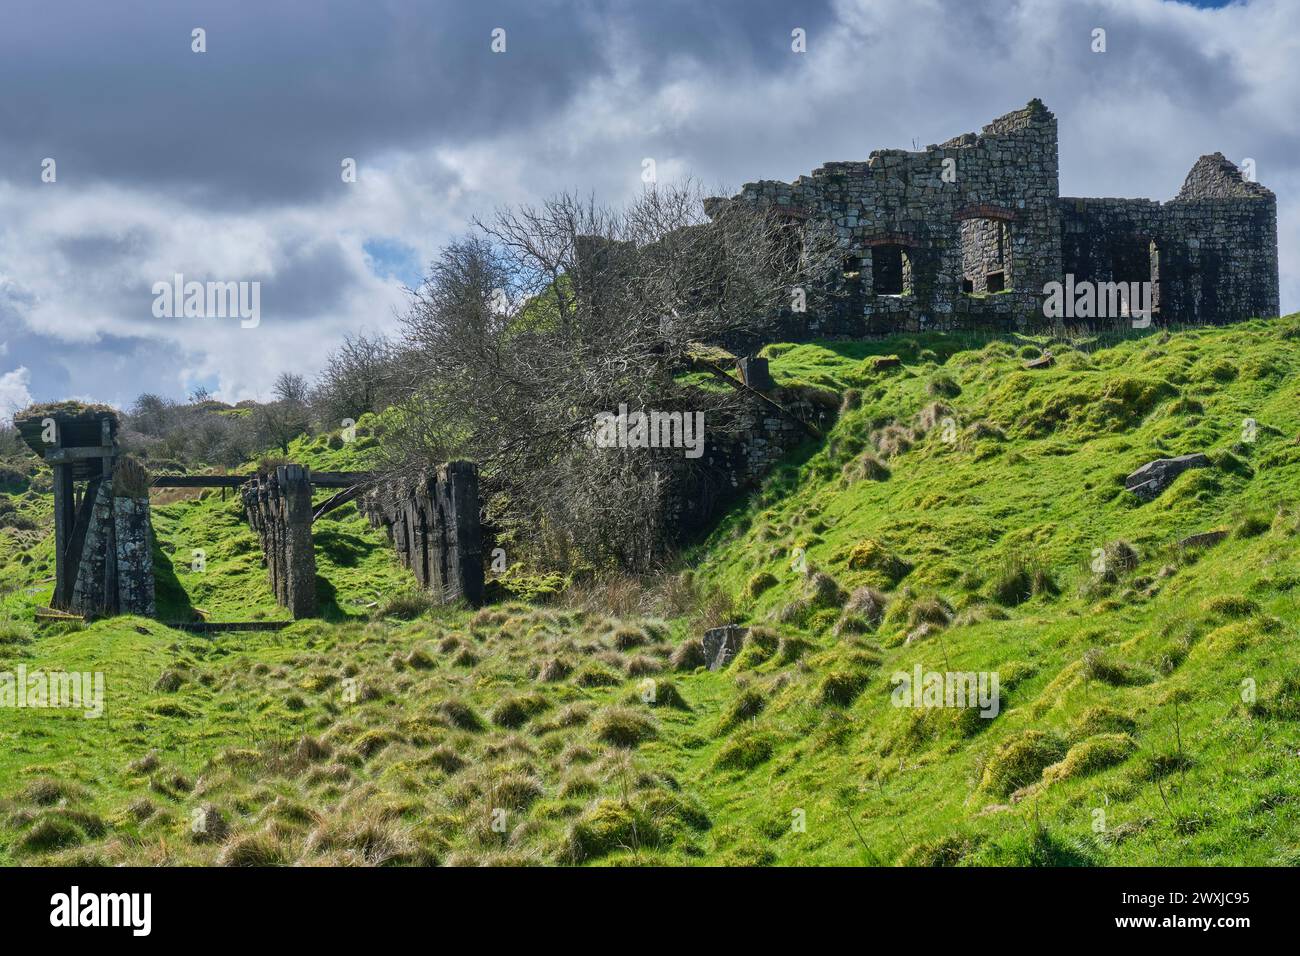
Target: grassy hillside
{"x":965,"y":514}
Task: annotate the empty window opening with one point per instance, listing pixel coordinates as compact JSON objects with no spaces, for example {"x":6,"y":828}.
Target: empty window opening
{"x":986,"y":260}
{"x":888,"y":263}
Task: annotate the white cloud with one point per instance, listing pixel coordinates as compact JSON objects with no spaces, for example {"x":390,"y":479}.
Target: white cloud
{"x":13,"y":391}
{"x":77,"y":262}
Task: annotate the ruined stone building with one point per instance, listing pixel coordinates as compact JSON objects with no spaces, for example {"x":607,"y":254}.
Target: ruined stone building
{"x":966,"y":234}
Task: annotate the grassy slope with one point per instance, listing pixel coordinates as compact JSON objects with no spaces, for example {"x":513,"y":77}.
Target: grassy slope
{"x":538,"y":711}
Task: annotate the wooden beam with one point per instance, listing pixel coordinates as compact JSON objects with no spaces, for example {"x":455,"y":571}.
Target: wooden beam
{"x":337,"y":501}
{"x":200,"y":481}
{"x":321,"y":479}
{"x":212,"y":627}
{"x":63,"y":456}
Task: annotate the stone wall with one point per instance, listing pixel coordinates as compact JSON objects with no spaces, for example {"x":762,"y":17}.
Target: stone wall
{"x":133,"y":538}
{"x":434,"y":526}
{"x":701,"y":490}
{"x":1211,"y":253}
{"x":1006,"y":175}
{"x":998,"y":212}
{"x":279,"y":509}
{"x":94,"y":589}
{"x":114,"y":574}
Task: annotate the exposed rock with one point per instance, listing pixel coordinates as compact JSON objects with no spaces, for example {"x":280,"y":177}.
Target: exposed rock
{"x":1154,"y":477}
{"x":722,"y":644}
{"x":1046,"y":360}
{"x":1203,"y":540}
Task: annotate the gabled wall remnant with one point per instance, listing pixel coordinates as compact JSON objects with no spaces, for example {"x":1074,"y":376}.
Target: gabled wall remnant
{"x":434,"y":525}
{"x":279,"y":509}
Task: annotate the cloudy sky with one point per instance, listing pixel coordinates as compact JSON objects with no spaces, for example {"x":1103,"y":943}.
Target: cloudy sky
{"x":226,"y":165}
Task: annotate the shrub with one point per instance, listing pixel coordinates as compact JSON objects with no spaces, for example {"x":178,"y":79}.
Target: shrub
{"x":666,"y":694}
{"x":593,"y":674}
{"x":867,"y":467}
{"x":759,"y":583}
{"x":1019,"y":760}
{"x":932,"y":610}
{"x":943,"y":386}
{"x":50,"y":832}
{"x":841,"y":688}
{"x":792,"y":648}
{"x":1017,"y":580}
{"x":406,"y":605}
{"x":688,"y":655}
{"x":760,"y":644}
{"x":516,"y":791}
{"x":1118,"y":558}
{"x":1091,"y":755}
{"x":884,"y":569}
{"x":1099,"y":667}
{"x":1281,"y":702}
{"x":514,"y":712}
{"x":461,"y":714}
{"x":822,"y":590}
{"x":892,"y":440}
{"x":609,"y":825}
{"x":626,"y":638}
{"x":1100,"y":720}
{"x":1253,"y":525}
{"x":623,"y":727}
{"x":253,"y":849}
{"x":1231,"y":606}
{"x":744,"y":752}
{"x":748,"y":704}
{"x":943,"y":851}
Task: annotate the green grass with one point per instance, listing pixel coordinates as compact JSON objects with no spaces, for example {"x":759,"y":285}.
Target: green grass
{"x":1148,"y":709}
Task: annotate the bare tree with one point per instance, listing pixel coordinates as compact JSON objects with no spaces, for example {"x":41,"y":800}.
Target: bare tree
{"x":548,"y":317}
{"x":290,"y":387}
{"x":361,"y":375}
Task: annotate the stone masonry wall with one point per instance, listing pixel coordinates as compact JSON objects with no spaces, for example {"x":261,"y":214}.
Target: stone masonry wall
{"x":1216,"y":242}
{"x":115,"y":572}
{"x":1211,"y":252}
{"x":1006,"y":174}
{"x":702,"y":490}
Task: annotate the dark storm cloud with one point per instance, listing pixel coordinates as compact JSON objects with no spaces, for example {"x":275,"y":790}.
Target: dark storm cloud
{"x":286,"y":90}
{"x":311,"y":280}
{"x":224,"y":166}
